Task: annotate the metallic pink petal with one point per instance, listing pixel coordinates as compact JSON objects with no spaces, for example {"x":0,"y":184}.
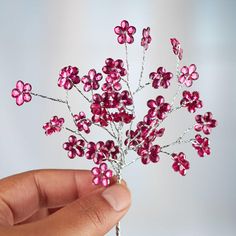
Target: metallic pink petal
{"x":27,"y":97}
{"x":27,"y":87}
{"x":118,"y":30}
{"x":15,"y":93}
{"x":124,"y":25}
{"x":20,"y":85}
{"x":121,"y":39}
{"x":192,"y":68}
{"x":182,"y":78}
{"x":188,"y":82}
{"x":20,"y":100}
{"x":185,"y":70}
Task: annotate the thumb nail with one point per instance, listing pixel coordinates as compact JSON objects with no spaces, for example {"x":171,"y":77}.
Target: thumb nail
{"x":117,"y":196}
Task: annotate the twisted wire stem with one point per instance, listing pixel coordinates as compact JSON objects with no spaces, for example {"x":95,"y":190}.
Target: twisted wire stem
{"x":118,"y":225}
{"x":49,"y":98}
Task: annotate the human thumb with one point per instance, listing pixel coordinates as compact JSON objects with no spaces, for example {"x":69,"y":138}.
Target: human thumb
{"x":91,"y":215}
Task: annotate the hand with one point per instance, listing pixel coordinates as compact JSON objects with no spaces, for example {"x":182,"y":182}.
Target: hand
{"x":59,"y":202}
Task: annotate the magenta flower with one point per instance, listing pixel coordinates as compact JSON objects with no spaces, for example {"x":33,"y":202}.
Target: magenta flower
{"x":74,"y":146}
{"x":22,"y":92}
{"x":188,"y":74}
{"x":99,"y":109}
{"x":125,"y":99}
{"x":54,"y":125}
{"x":191,"y":101}
{"x":68,"y":77}
{"x":158,"y":108}
{"x":205,"y":123}
{"x":201,"y":145}
{"x":91,"y":80}
{"x":122,"y":116}
{"x":125,"y":32}
{"x":112,"y":149}
{"x":102,"y":175}
{"x":161,"y":78}
{"x":82,"y":122}
{"x":180,"y":163}
{"x":146,"y":39}
{"x":177,"y":48}
{"x":114,"y":69}
{"x":111,"y":100}
{"x":149,"y":153}
{"x":97,"y":152}
{"x":147,"y":132}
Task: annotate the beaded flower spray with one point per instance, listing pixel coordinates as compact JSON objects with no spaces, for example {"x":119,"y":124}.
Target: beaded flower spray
{"x":111,"y":102}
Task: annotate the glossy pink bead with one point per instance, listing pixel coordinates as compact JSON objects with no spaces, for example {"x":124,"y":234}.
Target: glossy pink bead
{"x":125,"y":32}
{"x":74,"y":146}
{"x":122,"y":116}
{"x":205,"y":123}
{"x":22,"y":92}
{"x":188,"y":74}
{"x":82,"y":123}
{"x":201,"y":145}
{"x":161,"y":78}
{"x":146,"y":39}
{"x":102,"y":175}
{"x":191,"y":101}
{"x":91,"y":81}
{"x":149,"y":153}
{"x":101,"y":151}
{"x":180,"y":164}
{"x":114,"y":69}
{"x":112,"y":149}
{"x":177,"y":48}
{"x":54,"y":125}
{"x":158,"y":107}
{"x":68,"y":77}
{"x":96,"y":152}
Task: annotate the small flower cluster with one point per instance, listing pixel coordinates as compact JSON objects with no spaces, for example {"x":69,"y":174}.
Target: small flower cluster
{"x":112,"y":108}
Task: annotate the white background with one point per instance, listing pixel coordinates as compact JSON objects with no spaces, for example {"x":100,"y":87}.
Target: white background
{"x":38,"y":38}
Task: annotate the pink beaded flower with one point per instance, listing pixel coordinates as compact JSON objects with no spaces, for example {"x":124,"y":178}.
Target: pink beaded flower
{"x":74,"y":146}
{"x":205,"y":123}
{"x":122,"y":116}
{"x":102,"y":175}
{"x":54,"y":125}
{"x":68,"y":77}
{"x":97,"y":152}
{"x":114,"y":68}
{"x":99,"y":109}
{"x":112,"y":149}
{"x":146,"y":39}
{"x":180,"y":163}
{"x":125,"y":99}
{"x":149,"y":153}
{"x":113,"y":110}
{"x":158,"y":107}
{"x":191,"y":101}
{"x":125,"y":32}
{"x":201,"y":145}
{"x":161,"y":78}
{"x":91,"y":80}
{"x":188,"y":74}
{"x":82,"y":123}
{"x":22,"y":92}
{"x":143,"y":133}
{"x":177,"y":48}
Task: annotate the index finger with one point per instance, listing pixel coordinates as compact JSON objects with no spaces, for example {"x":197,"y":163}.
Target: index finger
{"x":24,"y":194}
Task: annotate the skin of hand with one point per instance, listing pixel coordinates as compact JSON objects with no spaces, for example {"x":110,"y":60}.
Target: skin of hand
{"x":59,"y":202}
